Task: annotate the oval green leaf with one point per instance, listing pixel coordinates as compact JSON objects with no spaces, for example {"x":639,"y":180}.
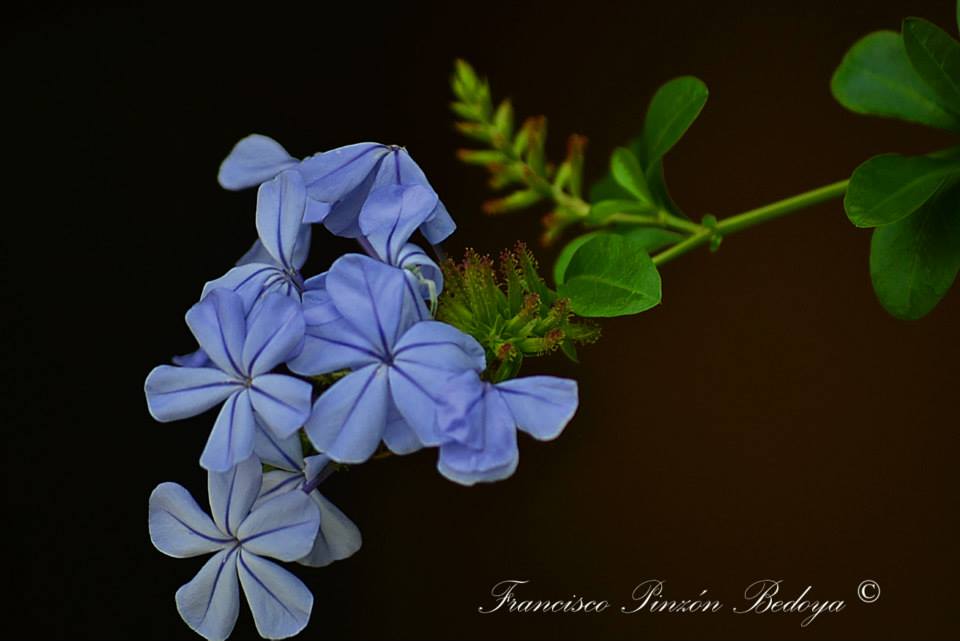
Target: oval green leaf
{"x":649,"y":239}
{"x":876,"y":78}
{"x":936,"y":57}
{"x":610,"y":275}
{"x":626,"y":170}
{"x":672,"y":110}
{"x":914,"y":261}
{"x":890,"y":187}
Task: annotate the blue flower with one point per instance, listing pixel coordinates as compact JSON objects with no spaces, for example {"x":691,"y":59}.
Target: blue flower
{"x":479,"y":421}
{"x":242,"y":353}
{"x":242,"y":532}
{"x":273,"y":263}
{"x":368,"y":319}
{"x":338,"y":537}
{"x":337,"y":181}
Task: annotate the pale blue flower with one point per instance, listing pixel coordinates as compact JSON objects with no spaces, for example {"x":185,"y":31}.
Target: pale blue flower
{"x":338,"y":537}
{"x":242,"y":354}
{"x":479,"y":421}
{"x":241,"y":533}
{"x":337,"y":181}
{"x":368,"y":319}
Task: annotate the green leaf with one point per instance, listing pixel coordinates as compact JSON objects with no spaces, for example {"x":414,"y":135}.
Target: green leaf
{"x":626,"y":170}
{"x":607,"y":188}
{"x":658,"y":188}
{"x":611,"y":275}
{"x":672,"y":110}
{"x":936,"y":57}
{"x":890,"y":187}
{"x":648,"y":239}
{"x":563,"y":259}
{"x":876,"y":78}
{"x":914,"y":261}
{"x":601,"y":211}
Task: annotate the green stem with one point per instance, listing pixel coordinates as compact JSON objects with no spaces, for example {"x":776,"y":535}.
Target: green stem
{"x":753,"y":217}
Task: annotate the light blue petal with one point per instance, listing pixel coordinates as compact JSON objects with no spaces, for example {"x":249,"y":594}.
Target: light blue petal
{"x":210,"y":603}
{"x":392,"y":214}
{"x":436,"y":344}
{"x":282,"y":402}
{"x":198,"y":358}
{"x":450,"y":465}
{"x":339,"y":175}
{"x":438,"y":225}
{"x":333,"y":346}
{"x":251,"y":282}
{"x":252,"y":161}
{"x":274,"y":333}
{"x":350,"y":417}
{"x":218,"y":322}
{"x":414,"y":390}
{"x":231,"y":439}
{"x":315,"y":465}
{"x":280,"y":602}
{"x":399,"y":437}
{"x":337,"y":539}
{"x":280,"y":206}
{"x":301,"y":249}
{"x":232,"y":493}
{"x":283,"y":527}
{"x":277,"y":482}
{"x":375,"y":298}
{"x":258,"y":254}
{"x":178,"y":527}
{"x":180,"y":392}
{"x":421,"y":269}
{"x":316,"y":211}
{"x":284,"y":453}
{"x":461,"y":409}
{"x":541,"y":405}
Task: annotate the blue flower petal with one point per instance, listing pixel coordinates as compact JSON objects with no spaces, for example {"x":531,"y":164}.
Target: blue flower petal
{"x":280,"y":602}
{"x":399,"y":437}
{"x":282,"y":403}
{"x":219,"y":325}
{"x":277,"y":482}
{"x":210,"y":603}
{"x":282,"y":527}
{"x":333,"y":346}
{"x":350,"y":417}
{"x":541,"y":405}
{"x":252,"y":281}
{"x":438,"y":225}
{"x":284,"y":453}
{"x":437,"y":344}
{"x":337,"y":539}
{"x":375,"y":298}
{"x":421,"y":269}
{"x":232,"y":493}
{"x":392,"y":214}
{"x":198,"y":358}
{"x":253,"y":160}
{"x":280,"y":206}
{"x":332,"y":176}
{"x":178,"y":527}
{"x":180,"y":392}
{"x":231,"y":439}
{"x":275,"y":332}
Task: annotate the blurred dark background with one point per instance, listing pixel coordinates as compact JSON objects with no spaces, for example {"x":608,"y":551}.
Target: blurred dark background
{"x":769,"y":420}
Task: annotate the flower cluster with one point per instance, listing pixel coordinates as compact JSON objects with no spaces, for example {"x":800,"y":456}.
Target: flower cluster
{"x":311,"y":372}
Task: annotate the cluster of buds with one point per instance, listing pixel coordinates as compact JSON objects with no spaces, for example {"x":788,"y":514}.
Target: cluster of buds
{"x":509,"y":309}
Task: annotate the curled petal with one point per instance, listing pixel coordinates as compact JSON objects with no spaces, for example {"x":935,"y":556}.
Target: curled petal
{"x":180,"y":392}
{"x":231,"y":439}
{"x":438,"y":225}
{"x":253,"y":160}
{"x":232,"y":493}
{"x":280,"y":206}
{"x":282,"y":402}
{"x":333,"y":176}
{"x":193,"y":359}
{"x":253,"y":281}
{"x":274,"y":333}
{"x":425,"y":273}
{"x":282,"y":527}
{"x":210,"y":603}
{"x":337,"y":538}
{"x":350,"y":417}
{"x":392,"y":214}
{"x":178,"y":527}
{"x":218,"y":322}
{"x":541,"y":405}
{"x":279,"y":601}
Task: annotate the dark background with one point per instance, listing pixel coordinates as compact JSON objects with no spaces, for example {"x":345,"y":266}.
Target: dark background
{"x":769,"y":420}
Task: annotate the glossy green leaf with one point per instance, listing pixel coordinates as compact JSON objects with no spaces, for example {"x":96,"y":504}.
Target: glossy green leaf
{"x":626,"y":170}
{"x":563,"y":259}
{"x":649,"y":239}
{"x":936,"y":57}
{"x":890,"y":187}
{"x":876,"y":78}
{"x":658,"y":188}
{"x":914,"y":261}
{"x":672,"y":110}
{"x":610,"y":275}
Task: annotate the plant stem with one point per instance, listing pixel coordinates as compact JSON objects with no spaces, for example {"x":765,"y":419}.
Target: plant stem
{"x":752,"y":217}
